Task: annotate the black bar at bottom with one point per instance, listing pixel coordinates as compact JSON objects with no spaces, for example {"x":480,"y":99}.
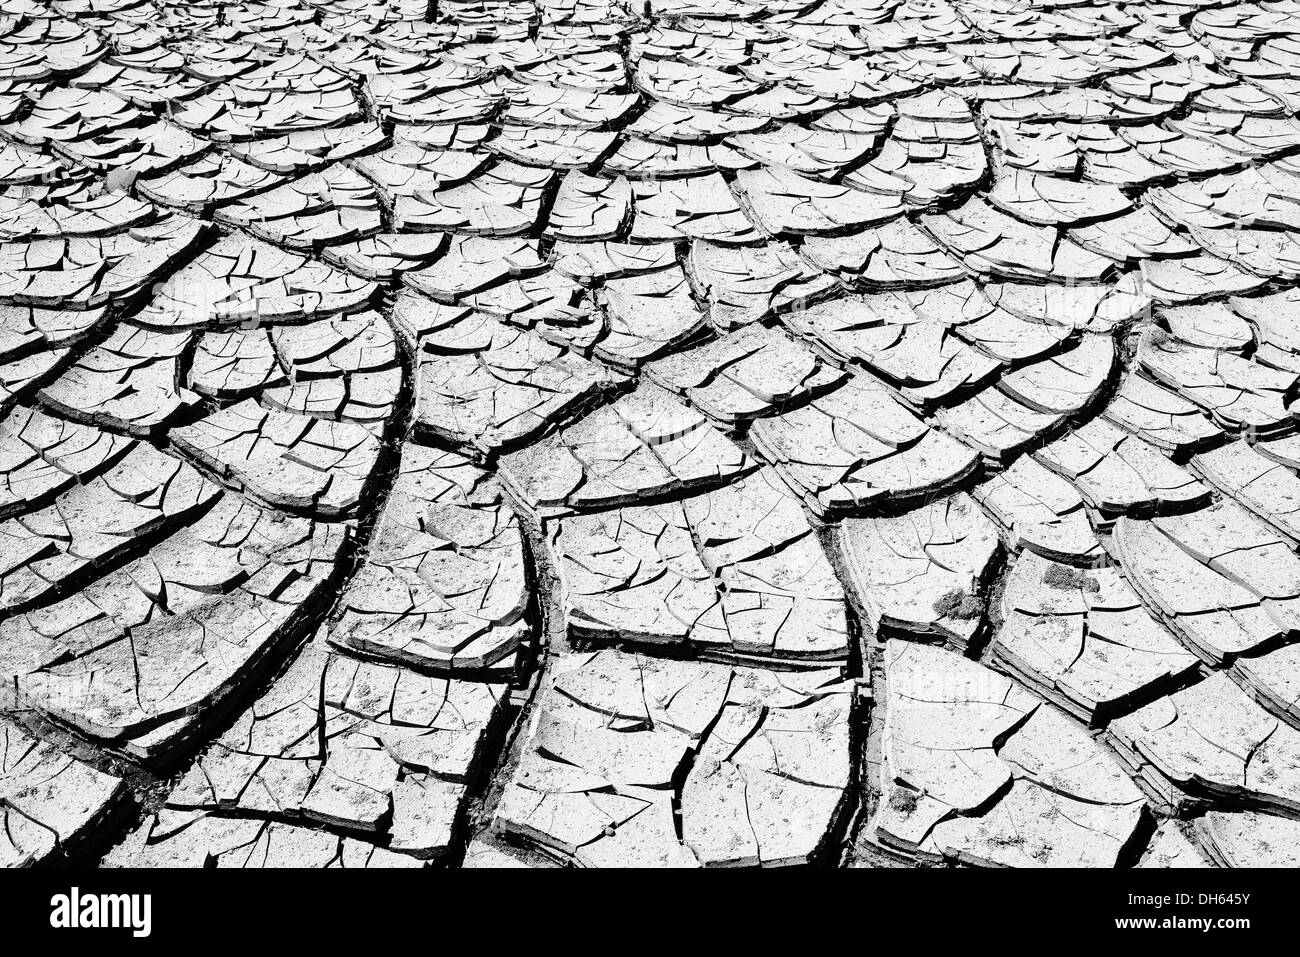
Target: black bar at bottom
{"x":510,"y":908}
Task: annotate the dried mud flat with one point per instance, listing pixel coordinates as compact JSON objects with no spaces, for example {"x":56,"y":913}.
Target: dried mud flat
{"x":673,"y":434}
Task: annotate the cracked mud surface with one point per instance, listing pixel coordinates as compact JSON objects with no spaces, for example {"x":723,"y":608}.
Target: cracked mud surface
{"x":598,"y":433}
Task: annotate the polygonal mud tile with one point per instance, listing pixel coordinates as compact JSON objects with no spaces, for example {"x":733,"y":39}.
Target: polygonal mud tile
{"x":921,"y":574}
{"x":1083,"y":639}
{"x":735,"y":574}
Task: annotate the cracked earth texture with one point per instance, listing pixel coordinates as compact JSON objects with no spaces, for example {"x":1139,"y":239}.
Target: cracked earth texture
{"x":578,"y":432}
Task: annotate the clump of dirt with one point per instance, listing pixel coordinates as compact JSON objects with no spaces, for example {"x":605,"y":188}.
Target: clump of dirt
{"x":1161,"y":339}
{"x":903,"y":801}
{"x":1065,"y":577}
{"x":959,"y":604}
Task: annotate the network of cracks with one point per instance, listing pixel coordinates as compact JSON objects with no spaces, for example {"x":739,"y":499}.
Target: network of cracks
{"x":671,"y":433}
